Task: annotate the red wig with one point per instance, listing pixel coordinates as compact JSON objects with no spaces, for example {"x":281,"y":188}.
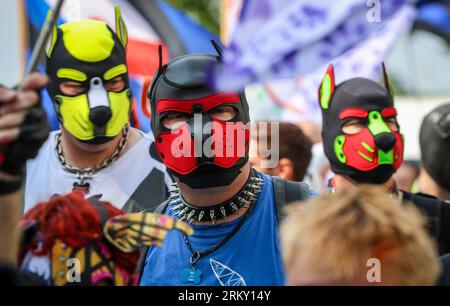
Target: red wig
{"x":75,"y":221}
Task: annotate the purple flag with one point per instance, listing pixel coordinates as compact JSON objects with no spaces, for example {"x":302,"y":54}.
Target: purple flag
{"x":289,"y":38}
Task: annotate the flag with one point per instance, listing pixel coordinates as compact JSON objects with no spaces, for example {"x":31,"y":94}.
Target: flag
{"x":295,"y":99}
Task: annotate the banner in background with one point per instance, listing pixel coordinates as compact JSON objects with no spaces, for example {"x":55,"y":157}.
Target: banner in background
{"x":230,"y":10}
{"x":149,"y":23}
{"x":284,"y":38}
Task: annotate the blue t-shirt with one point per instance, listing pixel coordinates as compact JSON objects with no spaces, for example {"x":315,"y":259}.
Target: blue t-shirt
{"x":251,"y":257}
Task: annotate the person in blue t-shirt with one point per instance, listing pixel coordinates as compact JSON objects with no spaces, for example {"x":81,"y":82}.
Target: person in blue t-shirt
{"x":202,"y":136}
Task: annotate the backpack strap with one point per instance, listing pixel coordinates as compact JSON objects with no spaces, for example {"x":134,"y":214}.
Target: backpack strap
{"x":286,"y":192}
{"x":160,"y":209}
{"x":437,"y":213}
{"x":445,"y":227}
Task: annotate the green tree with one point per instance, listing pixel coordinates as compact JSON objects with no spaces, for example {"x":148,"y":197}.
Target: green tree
{"x":206,"y":12}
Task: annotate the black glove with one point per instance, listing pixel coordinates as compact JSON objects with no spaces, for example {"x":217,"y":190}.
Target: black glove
{"x":34,"y":131}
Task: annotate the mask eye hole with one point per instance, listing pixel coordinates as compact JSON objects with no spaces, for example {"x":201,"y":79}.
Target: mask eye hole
{"x":223,"y":112}
{"x":353,"y":126}
{"x":392,"y":124}
{"x":115,"y":85}
{"x":173,"y":120}
{"x":72,"y":88}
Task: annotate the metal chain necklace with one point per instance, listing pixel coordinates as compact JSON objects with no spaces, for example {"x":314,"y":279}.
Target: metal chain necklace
{"x":87,"y":173}
{"x":192,"y":274}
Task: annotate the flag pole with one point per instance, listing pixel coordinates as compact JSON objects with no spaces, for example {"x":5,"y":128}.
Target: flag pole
{"x":42,"y":39}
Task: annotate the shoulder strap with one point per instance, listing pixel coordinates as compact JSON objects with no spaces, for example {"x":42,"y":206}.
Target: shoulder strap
{"x":141,"y":263}
{"x":279,"y":194}
{"x":445,"y":227}
{"x":430,"y":208}
{"x":286,"y":192}
{"x":160,"y":209}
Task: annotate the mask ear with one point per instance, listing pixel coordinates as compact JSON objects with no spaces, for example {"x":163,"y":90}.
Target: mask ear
{"x":386,"y":81}
{"x":121,"y":28}
{"x":326,"y":89}
{"x":53,"y":36}
{"x":218,"y":48}
{"x":158,"y":73}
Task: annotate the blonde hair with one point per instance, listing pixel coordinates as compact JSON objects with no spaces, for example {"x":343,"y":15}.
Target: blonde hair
{"x":337,"y":234}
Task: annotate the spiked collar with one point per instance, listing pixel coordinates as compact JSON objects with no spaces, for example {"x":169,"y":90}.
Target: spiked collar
{"x":246,"y":197}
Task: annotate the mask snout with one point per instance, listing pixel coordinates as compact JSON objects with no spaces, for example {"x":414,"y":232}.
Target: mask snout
{"x":385,"y":141}
{"x":100,"y":115}
{"x":100,"y":111}
{"x":200,"y":127}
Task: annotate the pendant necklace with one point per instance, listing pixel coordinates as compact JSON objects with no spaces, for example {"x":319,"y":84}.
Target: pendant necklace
{"x":192,"y":274}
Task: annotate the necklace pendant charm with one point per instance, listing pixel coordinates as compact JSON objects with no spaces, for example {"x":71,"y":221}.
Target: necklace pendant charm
{"x":83,"y":187}
{"x":191,"y":275}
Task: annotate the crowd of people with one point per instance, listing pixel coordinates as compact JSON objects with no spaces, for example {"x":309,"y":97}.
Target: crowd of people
{"x":197,"y":202}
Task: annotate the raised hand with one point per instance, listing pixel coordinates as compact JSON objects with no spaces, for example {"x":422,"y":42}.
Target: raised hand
{"x":23,"y":124}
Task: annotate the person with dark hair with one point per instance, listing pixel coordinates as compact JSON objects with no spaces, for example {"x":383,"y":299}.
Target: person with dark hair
{"x":434,"y":141}
{"x":202,"y":136}
{"x":294,"y":150}
{"x":23,"y":129}
{"x":363,"y":143}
